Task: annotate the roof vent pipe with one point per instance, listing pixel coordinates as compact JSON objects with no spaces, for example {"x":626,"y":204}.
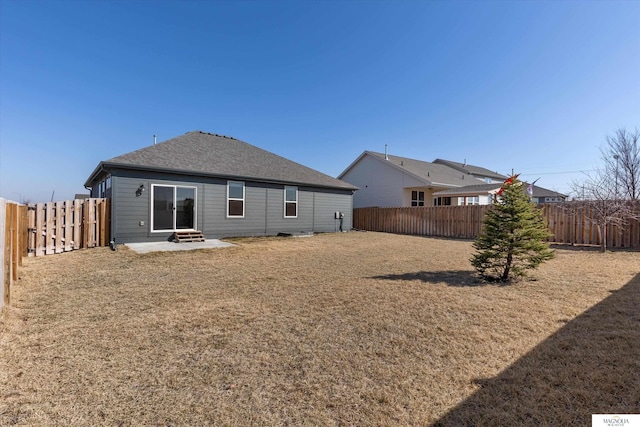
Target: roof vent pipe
{"x":386,"y":156}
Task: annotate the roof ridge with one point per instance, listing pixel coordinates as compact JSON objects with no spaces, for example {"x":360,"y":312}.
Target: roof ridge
{"x":214,"y":134}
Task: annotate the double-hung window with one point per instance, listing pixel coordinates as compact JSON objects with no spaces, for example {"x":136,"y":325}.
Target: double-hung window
{"x":417,"y":198}
{"x":235,"y":199}
{"x":290,"y":202}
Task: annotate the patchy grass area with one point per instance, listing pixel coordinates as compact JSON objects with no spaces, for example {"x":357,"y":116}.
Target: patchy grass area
{"x":336,"y":329}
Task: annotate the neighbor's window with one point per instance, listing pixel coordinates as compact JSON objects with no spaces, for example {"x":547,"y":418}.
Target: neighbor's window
{"x":417,"y":198}
{"x":290,"y":202}
{"x":473,"y":200}
{"x":442,"y":201}
{"x":235,"y":199}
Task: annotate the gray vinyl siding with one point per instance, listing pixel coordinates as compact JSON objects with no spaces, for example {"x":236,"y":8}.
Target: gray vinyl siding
{"x":277,"y":223}
{"x":129,"y":209}
{"x":325,"y":206}
{"x":217,"y":224}
{"x":264,"y":208}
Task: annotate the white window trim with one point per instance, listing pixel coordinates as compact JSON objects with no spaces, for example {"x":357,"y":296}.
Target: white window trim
{"x":244,"y":203}
{"x":175,"y":193}
{"x":284,"y":194}
{"x":472,"y":200}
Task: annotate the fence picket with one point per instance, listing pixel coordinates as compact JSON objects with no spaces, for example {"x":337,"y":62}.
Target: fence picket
{"x":68,"y":226}
{"x":6,"y":256}
{"x":23,"y":228}
{"x":50,"y":231}
{"x":59,"y":218}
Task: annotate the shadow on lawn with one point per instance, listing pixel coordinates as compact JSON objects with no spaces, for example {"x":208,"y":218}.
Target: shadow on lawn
{"x":590,"y":366}
{"x":451,"y":278}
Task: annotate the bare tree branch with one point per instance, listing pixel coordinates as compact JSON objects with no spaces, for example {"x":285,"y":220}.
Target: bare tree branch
{"x":621,"y":157}
{"x":602,"y":204}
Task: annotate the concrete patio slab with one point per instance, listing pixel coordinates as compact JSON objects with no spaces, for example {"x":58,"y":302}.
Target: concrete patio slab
{"x":143,"y":248}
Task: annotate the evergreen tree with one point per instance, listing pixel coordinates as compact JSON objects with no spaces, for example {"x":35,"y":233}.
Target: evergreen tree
{"x":514,"y":236}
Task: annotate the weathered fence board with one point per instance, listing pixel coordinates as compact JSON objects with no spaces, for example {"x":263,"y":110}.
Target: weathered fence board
{"x":568,"y":222}
{"x":13,"y":238}
{"x":64,"y":226}
{"x":8,"y":255}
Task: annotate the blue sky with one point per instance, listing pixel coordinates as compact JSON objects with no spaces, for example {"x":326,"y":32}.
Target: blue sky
{"x":534,"y":86}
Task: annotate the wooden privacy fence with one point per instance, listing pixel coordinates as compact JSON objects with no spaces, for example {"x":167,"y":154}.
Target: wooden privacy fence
{"x":443,"y":221}
{"x":58,"y":227}
{"x":13,"y":245}
{"x":48,"y":228}
{"x":571,"y":223}
{"x":568,"y":222}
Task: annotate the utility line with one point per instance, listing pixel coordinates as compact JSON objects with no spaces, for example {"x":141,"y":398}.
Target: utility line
{"x":558,"y":173}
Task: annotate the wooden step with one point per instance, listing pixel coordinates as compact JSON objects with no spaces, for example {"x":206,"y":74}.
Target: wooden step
{"x":188,"y":236}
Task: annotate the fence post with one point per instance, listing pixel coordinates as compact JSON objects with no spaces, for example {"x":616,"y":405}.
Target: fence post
{"x":15,"y":242}
{"x":5,"y":274}
{"x":6,"y":256}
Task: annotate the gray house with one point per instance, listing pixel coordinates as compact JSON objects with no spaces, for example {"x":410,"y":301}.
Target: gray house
{"x":220,"y":186}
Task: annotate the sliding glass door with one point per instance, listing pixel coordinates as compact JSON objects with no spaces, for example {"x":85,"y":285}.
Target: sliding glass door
{"x":173,"y":208}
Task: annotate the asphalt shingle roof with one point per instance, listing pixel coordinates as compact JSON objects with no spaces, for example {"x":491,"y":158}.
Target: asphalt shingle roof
{"x":475,"y":170}
{"x":203,"y":153}
{"x":432,"y":173}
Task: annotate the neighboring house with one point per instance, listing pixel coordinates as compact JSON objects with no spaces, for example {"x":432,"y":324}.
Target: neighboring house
{"x":542,"y":195}
{"x":218,"y":185}
{"x":484,"y":194}
{"x":386,"y":180}
{"x":481,"y":194}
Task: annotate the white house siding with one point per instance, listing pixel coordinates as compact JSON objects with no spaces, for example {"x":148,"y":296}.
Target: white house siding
{"x":379,"y":184}
{"x":483,"y":200}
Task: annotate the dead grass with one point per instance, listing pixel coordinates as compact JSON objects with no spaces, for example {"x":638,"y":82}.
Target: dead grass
{"x":336,"y":329}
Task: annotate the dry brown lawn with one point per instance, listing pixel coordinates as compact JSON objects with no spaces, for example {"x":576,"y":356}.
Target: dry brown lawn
{"x":337,"y":329}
